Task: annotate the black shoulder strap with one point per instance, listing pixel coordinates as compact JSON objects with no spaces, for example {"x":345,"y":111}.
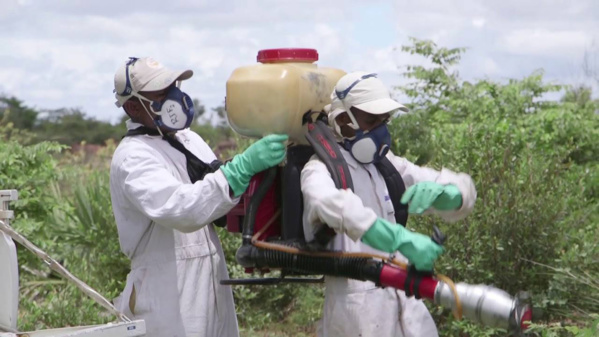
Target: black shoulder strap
{"x":323,"y":142}
{"x":196,"y":169}
{"x":142,"y":130}
{"x":396,"y":188}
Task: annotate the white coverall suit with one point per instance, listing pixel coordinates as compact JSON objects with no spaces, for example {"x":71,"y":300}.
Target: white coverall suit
{"x":354,"y":308}
{"x":164,"y":225}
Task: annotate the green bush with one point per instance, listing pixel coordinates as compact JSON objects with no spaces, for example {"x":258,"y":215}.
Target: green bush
{"x":534,"y":163}
{"x":76,"y":228}
{"x":32,"y":170}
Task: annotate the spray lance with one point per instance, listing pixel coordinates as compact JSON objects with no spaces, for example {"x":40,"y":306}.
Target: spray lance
{"x":483,"y":304}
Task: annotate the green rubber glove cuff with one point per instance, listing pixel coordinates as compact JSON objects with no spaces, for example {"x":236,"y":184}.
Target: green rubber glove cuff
{"x":449,"y":200}
{"x":266,"y":152}
{"x":418,"y":248}
{"x":236,"y":174}
{"x":384,"y":236}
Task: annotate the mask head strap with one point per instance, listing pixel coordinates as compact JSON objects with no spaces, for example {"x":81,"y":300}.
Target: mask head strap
{"x":128,"y":88}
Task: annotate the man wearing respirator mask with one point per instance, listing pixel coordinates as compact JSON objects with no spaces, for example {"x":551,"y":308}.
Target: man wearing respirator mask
{"x":167,"y":188}
{"x":364,"y":219}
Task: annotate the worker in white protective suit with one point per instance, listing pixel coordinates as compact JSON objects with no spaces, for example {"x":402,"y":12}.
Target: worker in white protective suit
{"x":364,"y":219}
{"x":166,"y":190}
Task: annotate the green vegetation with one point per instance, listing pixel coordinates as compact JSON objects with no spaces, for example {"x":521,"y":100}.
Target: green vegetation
{"x":535,"y":226}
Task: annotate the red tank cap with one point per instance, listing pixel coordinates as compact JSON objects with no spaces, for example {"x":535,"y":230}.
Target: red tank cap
{"x":287,"y":55}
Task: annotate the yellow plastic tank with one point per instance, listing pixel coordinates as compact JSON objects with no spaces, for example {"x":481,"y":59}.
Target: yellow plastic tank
{"x":273,"y":95}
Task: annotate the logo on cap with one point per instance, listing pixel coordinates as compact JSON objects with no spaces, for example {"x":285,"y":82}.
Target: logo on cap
{"x":153,"y":63}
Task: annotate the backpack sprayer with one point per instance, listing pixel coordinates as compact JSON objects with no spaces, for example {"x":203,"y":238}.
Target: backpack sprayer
{"x":269,"y":215}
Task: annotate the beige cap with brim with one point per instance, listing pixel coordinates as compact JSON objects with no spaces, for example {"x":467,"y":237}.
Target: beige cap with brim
{"x":368,"y":94}
{"x":144,"y":74}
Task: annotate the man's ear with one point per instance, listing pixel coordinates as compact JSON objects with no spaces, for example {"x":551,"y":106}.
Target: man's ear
{"x":133,"y":109}
{"x":343,"y":119}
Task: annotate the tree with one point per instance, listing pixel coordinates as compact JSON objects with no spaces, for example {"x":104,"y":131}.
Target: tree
{"x":200,"y":109}
{"x":70,"y":126}
{"x":219,"y":115}
{"x":590,"y":63}
{"x":580,"y":94}
{"x":432,"y":86}
{"x":216,"y":117}
{"x":13,"y":111}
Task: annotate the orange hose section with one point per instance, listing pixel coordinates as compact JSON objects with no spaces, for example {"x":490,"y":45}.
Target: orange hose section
{"x":292,"y":250}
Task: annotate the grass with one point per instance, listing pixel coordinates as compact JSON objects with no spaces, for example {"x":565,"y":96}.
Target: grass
{"x":301,"y":318}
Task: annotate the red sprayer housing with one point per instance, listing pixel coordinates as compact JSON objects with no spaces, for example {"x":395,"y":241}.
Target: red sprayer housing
{"x":266,"y":209}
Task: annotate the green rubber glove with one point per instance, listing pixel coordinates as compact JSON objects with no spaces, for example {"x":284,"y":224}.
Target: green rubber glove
{"x":426,"y":194}
{"x":418,"y":248}
{"x":265,"y":153}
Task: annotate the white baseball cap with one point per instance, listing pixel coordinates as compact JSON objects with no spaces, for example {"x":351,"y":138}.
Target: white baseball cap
{"x":144,"y":74}
{"x":335,"y":108}
{"x":366,"y":92}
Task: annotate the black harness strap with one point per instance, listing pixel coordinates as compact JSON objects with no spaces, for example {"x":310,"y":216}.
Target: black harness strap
{"x":396,"y":188}
{"x":142,"y":130}
{"x":323,"y":142}
{"x":196,"y":169}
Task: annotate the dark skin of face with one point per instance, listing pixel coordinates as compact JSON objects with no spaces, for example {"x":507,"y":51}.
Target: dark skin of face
{"x":366,"y":121}
{"x":134,"y":107}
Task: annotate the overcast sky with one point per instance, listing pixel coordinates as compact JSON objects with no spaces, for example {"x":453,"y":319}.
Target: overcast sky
{"x":64,"y":53}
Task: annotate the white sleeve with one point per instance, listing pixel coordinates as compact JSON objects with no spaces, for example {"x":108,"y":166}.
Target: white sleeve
{"x":341,"y":210}
{"x":413,"y":174}
{"x":186,"y":207}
